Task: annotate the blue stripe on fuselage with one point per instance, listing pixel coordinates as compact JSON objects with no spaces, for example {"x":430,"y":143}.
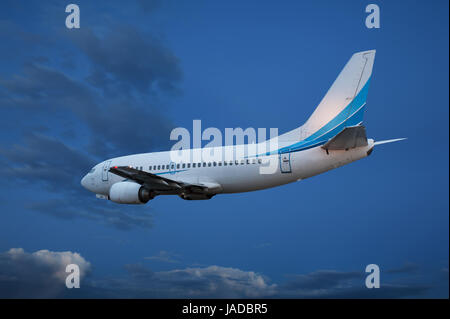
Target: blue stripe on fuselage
{"x":351,"y":115}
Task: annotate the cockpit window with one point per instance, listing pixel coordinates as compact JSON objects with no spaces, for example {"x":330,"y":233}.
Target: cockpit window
{"x":92,"y":170}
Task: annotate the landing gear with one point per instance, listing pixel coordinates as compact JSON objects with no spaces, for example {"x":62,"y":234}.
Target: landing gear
{"x":193,"y":196}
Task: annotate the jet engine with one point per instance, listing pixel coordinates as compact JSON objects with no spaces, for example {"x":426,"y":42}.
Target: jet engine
{"x":129,"y":193}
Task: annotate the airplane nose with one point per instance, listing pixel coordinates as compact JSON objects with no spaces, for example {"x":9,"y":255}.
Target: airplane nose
{"x":84,"y":182}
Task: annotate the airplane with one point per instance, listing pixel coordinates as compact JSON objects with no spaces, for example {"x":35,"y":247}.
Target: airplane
{"x":333,"y":136}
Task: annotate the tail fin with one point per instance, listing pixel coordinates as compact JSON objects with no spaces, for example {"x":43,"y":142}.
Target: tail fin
{"x":346,"y":98}
{"x":342,"y":106}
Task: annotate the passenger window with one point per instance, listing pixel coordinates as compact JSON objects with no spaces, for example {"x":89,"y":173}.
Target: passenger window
{"x":225,"y":163}
{"x":204,"y":164}
{"x":254,"y":161}
{"x":159,"y":167}
{"x":236,"y":162}
{"x":209,"y":164}
{"x":193,"y":165}
{"x":178,"y":166}
{"x":220,"y":163}
{"x":248,"y":161}
{"x":259,"y":161}
{"x":214,"y":164}
{"x":231,"y":163}
{"x":188,"y":165}
{"x":242,"y":162}
{"x":149,"y":168}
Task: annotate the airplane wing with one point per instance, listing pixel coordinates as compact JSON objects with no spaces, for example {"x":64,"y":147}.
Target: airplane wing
{"x":349,"y":137}
{"x":156,"y":182}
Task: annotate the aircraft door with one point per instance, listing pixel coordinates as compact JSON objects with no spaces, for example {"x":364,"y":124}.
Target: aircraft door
{"x":285,"y":163}
{"x":105,"y":171}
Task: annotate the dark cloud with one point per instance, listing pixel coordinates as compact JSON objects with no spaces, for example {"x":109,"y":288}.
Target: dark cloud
{"x":127,"y":59}
{"x":41,"y":274}
{"x":120,"y":217}
{"x":13,"y":33}
{"x":405,"y":269}
{"x":322,"y":279}
{"x":110,"y":125}
{"x":39,"y":86}
{"x":124,"y":129}
{"x":164,"y":256}
{"x":40,"y":159}
{"x":117,"y":126}
{"x":337,"y":284}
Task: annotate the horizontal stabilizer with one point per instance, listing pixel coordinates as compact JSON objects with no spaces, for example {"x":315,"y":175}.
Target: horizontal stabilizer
{"x":390,"y":141}
{"x":349,"y":137}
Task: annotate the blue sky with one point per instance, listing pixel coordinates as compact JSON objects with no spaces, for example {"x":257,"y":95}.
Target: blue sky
{"x":134,"y":71}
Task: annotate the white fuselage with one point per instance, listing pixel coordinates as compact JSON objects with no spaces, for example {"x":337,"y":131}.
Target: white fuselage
{"x":243,"y":175}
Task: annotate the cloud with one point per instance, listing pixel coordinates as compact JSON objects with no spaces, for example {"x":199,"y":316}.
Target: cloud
{"x":116,"y":125}
{"x":207,"y":282}
{"x":164,"y":256}
{"x":322,"y":279}
{"x":120,"y":217}
{"x":42,"y":274}
{"x":130,"y":60}
{"x":41,"y":159}
{"x":11,"y":31}
{"x":46,"y":161}
{"x":37,"y":275}
{"x":405,"y":269}
{"x":226,"y":282}
{"x":115,"y":112}
{"x":338,"y":284}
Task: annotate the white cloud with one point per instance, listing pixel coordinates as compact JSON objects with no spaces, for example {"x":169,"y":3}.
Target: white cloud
{"x":207,"y":282}
{"x":39,"y":274}
{"x":222,"y":281}
{"x":164,"y":256}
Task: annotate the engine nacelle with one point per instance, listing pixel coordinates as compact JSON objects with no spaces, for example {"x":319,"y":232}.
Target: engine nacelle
{"x":196,"y":196}
{"x":129,"y":193}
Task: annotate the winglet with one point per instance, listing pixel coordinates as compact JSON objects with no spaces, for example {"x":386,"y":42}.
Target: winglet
{"x":389,"y":141}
